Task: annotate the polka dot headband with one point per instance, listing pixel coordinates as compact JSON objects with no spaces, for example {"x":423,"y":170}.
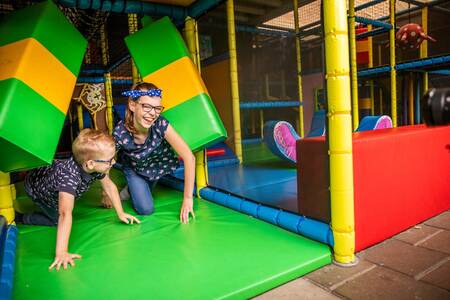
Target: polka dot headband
{"x":135,"y":94}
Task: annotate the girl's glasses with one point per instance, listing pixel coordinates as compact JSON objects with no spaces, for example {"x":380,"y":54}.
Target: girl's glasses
{"x":148,"y":108}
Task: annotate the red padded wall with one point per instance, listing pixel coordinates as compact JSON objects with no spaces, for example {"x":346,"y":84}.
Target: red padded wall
{"x":401,"y":177}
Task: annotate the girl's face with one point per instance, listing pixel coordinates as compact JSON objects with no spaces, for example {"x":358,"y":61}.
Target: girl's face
{"x":145,"y":110}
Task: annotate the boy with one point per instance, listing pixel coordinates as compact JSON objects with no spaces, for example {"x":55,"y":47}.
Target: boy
{"x":54,"y":188}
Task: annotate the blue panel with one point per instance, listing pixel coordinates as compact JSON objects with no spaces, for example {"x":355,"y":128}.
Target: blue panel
{"x":318,"y":124}
{"x":273,"y":186}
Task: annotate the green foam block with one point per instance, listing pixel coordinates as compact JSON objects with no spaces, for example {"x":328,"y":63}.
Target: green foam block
{"x":155,"y":46}
{"x":47,"y":24}
{"x":29,"y":127}
{"x":197,"y":121}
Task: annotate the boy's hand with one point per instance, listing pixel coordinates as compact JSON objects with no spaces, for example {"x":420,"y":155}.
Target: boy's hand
{"x":64,"y":259}
{"x":186,"y":209}
{"x":129,"y":219}
{"x":106,"y":201}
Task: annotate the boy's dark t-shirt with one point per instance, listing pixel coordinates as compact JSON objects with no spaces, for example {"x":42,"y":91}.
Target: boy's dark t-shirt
{"x":43,"y":184}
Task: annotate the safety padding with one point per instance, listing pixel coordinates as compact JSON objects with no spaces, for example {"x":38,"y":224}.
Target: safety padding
{"x":8,"y":237}
{"x":40,"y":56}
{"x":163,"y":59}
{"x":401,"y":178}
{"x":280,"y":137}
{"x":374,"y":123}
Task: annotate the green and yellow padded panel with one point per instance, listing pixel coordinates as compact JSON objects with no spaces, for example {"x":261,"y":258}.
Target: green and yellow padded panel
{"x":163,"y":59}
{"x":40,"y":57}
{"x":222,"y":254}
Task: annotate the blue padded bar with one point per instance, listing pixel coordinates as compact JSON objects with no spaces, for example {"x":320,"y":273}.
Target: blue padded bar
{"x":307,"y":227}
{"x":269,"y":104}
{"x":373,"y":22}
{"x":7,"y":263}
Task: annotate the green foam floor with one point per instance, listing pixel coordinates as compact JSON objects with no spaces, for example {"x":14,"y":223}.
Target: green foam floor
{"x":222,"y":254}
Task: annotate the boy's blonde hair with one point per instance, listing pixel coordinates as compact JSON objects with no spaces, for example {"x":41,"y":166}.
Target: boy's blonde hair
{"x":89,"y":143}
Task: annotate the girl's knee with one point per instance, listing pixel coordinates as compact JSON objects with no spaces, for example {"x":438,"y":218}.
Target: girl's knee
{"x":145,"y":210}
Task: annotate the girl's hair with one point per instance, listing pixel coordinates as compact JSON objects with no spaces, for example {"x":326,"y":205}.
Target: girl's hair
{"x":141,"y":86}
{"x":89,"y":143}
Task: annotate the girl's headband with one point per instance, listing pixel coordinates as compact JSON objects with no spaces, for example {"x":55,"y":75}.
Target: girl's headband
{"x":135,"y":94}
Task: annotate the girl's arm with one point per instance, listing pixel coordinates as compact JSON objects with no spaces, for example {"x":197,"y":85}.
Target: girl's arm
{"x":180,"y":146}
{"x":62,"y":255}
{"x":111,"y":191}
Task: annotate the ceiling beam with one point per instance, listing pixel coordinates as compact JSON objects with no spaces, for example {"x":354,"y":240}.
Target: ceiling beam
{"x":248,"y":9}
{"x":270,"y":3}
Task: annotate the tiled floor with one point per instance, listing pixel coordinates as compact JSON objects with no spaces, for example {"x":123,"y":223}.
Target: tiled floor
{"x":414,"y":264}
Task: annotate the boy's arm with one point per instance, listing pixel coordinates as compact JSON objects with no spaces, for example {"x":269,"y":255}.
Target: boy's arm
{"x":111,"y":190}
{"x":62,"y":256}
{"x":180,"y":146}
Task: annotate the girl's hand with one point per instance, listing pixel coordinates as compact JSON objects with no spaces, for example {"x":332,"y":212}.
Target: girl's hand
{"x":186,"y":209}
{"x":64,"y":259}
{"x":129,"y":219}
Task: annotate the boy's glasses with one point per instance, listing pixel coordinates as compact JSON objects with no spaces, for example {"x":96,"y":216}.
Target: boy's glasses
{"x":109,"y":162}
{"x":148,"y":108}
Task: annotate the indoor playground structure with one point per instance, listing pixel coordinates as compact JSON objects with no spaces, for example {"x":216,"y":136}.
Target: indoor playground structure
{"x":304,"y":116}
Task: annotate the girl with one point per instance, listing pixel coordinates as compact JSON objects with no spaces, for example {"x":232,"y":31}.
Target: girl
{"x":144,"y":142}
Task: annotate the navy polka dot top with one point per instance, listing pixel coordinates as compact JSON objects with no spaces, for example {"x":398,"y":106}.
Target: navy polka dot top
{"x":153,"y":159}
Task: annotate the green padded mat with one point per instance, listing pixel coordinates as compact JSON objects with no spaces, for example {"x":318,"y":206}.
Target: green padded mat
{"x":221,"y":254}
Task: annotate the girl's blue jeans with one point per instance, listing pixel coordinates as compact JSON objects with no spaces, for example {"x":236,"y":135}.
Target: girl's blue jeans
{"x":140,"y":191}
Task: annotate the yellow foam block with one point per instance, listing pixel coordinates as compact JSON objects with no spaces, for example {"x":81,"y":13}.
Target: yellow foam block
{"x":179,"y":81}
{"x":30,"y":62}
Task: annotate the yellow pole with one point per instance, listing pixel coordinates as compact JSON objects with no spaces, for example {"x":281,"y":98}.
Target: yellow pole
{"x":234,"y":79}
{"x":424,"y":48}
{"x":79,"y":106}
{"x":299,"y":69}
{"x":340,"y":130}
{"x":80,"y":116}
{"x":201,"y":162}
{"x":392,"y":63}
{"x":197,"y":46}
{"x":108,"y":84}
{"x":132,"y":28}
{"x":261,"y":122}
{"x":6,"y":197}
{"x":411,"y":100}
{"x":353,"y":65}
{"x":189,"y":32}
{"x":372,"y":92}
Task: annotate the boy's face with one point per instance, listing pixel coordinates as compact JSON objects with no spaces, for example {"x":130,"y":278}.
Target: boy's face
{"x":102,"y":162}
